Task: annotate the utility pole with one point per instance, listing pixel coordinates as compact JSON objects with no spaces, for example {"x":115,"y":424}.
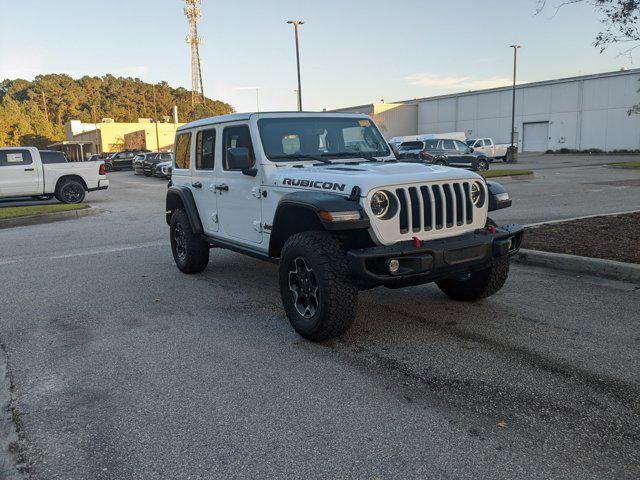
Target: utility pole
{"x":295,"y":24}
{"x":44,"y":105}
{"x":95,"y":128}
{"x":513,"y":102}
{"x":155,"y":114}
{"x":193,"y":14}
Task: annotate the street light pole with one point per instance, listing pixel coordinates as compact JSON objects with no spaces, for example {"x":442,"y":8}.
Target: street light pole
{"x":513,"y":103}
{"x":295,"y":24}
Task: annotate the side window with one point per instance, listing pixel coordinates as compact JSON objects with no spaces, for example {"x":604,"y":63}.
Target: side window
{"x":234,"y":137}
{"x":10,"y":158}
{"x":166,"y":157}
{"x":205,"y":149}
{"x":183,"y":151}
{"x":462,"y":147}
{"x":448,"y":145}
{"x":487,"y":142}
{"x":53,"y":157}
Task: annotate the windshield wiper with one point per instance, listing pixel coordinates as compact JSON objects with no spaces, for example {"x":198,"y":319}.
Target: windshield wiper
{"x":300,"y":156}
{"x":366,"y":156}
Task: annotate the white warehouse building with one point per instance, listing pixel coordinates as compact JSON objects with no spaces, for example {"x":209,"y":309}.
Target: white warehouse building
{"x":578,"y":113}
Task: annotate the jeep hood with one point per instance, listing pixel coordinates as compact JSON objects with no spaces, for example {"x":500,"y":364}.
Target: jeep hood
{"x":341,"y":178}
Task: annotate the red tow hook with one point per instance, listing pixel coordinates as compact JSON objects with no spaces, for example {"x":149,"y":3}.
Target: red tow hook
{"x":492,"y":229}
{"x":416,"y":242}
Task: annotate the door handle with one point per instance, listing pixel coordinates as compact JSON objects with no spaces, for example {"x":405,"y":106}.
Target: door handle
{"x":29,"y":169}
{"x":196,"y":185}
{"x":222,"y":187}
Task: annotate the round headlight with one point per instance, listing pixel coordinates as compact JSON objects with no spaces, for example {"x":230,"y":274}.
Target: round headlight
{"x":380,"y":203}
{"x":477,"y":194}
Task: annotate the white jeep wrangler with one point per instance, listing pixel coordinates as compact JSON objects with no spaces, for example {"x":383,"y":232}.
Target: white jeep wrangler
{"x":321,"y":195}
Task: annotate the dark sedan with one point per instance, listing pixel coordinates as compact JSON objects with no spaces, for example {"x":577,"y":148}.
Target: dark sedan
{"x":121,"y":160}
{"x":453,"y":153}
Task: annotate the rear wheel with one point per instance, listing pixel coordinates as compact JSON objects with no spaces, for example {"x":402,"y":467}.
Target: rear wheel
{"x":70,"y":191}
{"x":190,"y":252}
{"x":318,"y":293}
{"x":442,"y":163}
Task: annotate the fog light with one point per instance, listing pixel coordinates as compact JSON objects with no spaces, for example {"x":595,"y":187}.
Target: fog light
{"x":394,"y":266}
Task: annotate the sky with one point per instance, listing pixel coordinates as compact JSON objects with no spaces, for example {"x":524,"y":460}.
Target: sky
{"x":353,"y":52}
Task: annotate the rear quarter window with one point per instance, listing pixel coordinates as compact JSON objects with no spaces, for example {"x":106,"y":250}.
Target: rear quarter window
{"x":183,"y":151}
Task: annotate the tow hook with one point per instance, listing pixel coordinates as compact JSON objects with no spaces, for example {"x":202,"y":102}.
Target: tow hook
{"x":416,"y":242}
{"x":492,"y":229}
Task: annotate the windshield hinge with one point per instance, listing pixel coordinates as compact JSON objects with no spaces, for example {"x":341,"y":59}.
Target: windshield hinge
{"x":257,"y":225}
{"x":256,"y":192}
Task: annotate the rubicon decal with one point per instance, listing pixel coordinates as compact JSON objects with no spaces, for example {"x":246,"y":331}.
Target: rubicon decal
{"x":296,"y":182}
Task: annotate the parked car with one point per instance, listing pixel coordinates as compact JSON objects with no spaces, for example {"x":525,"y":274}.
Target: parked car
{"x":489,"y":149}
{"x":336,"y":221}
{"x":26,"y":172}
{"x":452,"y":153}
{"x":151,"y":161}
{"x":121,"y":160}
{"x":97,"y":157}
{"x":163,"y":170}
{"x":397,"y":141}
{"x":138,"y":159}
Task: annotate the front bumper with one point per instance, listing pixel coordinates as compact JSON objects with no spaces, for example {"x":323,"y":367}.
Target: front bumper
{"x":434,"y":260}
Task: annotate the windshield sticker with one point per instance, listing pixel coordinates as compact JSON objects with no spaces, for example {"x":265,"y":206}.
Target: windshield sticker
{"x":364,"y":123}
{"x":295,"y":182}
{"x":14,"y":158}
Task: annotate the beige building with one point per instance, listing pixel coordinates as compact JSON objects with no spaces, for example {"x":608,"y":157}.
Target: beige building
{"x":109,"y":136}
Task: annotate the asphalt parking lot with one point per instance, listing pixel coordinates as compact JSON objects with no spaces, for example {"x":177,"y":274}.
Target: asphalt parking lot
{"x":125,"y":368}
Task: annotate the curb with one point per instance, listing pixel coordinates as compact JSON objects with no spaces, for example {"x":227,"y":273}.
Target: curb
{"x":514,"y":177}
{"x":598,"y":267}
{"x":47,"y":218}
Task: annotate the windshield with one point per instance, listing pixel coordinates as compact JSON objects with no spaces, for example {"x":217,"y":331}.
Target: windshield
{"x":292,"y":139}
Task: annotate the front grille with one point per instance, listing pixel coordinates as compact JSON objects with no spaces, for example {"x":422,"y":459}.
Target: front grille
{"x":435,"y":207}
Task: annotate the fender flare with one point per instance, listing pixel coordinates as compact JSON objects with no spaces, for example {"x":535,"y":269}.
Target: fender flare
{"x":180,"y":196}
{"x":320,"y":201}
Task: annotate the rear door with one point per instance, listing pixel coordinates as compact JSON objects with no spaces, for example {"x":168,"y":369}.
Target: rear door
{"x":452,"y":154}
{"x":239,"y":205}
{"x":204,"y":178}
{"x":20,"y":176}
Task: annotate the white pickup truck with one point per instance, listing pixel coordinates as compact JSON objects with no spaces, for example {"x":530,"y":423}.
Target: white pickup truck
{"x":489,"y":149}
{"x":28,"y":172}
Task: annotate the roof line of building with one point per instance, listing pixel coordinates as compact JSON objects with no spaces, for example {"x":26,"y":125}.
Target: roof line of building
{"x":523,"y":85}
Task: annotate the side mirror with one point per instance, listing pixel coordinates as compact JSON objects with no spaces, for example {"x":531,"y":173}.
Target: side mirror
{"x":238,"y":159}
{"x":471,"y":150}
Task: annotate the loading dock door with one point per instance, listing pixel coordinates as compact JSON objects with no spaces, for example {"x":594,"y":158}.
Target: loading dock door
{"x":535,"y":137}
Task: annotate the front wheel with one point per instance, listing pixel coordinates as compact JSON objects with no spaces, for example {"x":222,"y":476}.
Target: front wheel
{"x":482,"y":165}
{"x":190,"y":252}
{"x":477,"y":285}
{"x":441,"y":163}
{"x":318,"y":293}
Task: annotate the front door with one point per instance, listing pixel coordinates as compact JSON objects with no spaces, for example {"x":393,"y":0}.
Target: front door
{"x":19,"y":175}
{"x":239,"y":199}
{"x":203,"y":179}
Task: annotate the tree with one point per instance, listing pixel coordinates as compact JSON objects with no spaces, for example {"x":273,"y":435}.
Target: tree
{"x":22,"y":107}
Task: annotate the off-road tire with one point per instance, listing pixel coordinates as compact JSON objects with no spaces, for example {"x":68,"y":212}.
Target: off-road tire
{"x":482,"y":165}
{"x":70,"y":191}
{"x":191,"y":254}
{"x":478,"y":285}
{"x":337,"y":292}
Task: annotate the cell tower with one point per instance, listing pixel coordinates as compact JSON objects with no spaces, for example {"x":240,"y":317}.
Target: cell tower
{"x":193,"y":13}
